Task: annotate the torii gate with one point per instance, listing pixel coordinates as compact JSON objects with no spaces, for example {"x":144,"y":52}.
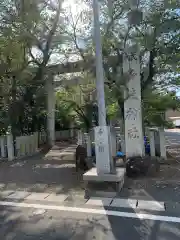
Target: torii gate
{"x":51,"y":72}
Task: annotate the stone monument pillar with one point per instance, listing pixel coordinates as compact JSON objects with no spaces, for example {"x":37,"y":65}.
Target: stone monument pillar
{"x":134,"y":139}
{"x":102,"y":132}
{"x":103,"y":150}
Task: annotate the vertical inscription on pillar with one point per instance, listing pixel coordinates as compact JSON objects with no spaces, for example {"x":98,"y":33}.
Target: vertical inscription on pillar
{"x":100,"y":145}
{"x":131,"y":114}
{"x":133,"y":133}
{"x":132,"y":106}
{"x":101,"y":148}
{"x":132,"y":93}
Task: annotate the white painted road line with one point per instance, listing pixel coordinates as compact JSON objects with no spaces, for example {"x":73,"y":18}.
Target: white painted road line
{"x":140,"y":216}
{"x":150,"y":205}
{"x":124,"y":203}
{"x":99,"y":201}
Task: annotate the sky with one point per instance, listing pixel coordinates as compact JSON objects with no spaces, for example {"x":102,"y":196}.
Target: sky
{"x":73,"y":8}
{"x":73,"y":4}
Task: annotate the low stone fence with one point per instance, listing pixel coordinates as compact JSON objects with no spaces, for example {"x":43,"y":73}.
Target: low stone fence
{"x":156,"y":140}
{"x":28,"y":145}
{"x":22,"y":146}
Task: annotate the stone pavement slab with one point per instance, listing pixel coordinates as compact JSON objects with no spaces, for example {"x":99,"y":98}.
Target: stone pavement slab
{"x":19,"y":195}
{"x":56,"y":198}
{"x":124,"y":203}
{"x":6,"y":193}
{"x":37,"y":196}
{"x":150,"y":205}
{"x":99,"y":201}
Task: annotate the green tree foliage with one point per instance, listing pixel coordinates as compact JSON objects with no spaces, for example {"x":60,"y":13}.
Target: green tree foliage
{"x":37,"y":33}
{"x":75,"y":104}
{"x":27,"y":33}
{"x":155,"y":105}
{"x":157,"y":37}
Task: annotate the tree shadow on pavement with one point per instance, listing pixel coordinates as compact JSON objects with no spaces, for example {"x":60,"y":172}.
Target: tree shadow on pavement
{"x":35,"y":224}
{"x":32,"y":224}
{"x":140,"y":229}
{"x":46,"y":174}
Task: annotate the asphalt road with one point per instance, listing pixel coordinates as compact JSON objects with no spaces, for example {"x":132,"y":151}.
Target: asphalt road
{"x":172,"y":137}
{"x":18,"y":223}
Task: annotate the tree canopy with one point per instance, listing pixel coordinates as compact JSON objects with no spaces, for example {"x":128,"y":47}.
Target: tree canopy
{"x":37,"y":33}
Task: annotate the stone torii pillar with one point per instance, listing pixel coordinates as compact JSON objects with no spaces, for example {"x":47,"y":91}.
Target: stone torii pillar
{"x":50,"y":110}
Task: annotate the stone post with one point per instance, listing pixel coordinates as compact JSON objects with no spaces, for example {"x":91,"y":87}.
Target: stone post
{"x":36,"y":141}
{"x":152,"y":143}
{"x":123,"y":144}
{"x":50,"y":110}
{"x":162,"y":143}
{"x":80,"y":137}
{"x":132,"y":107}
{"x":23,"y":145}
{"x":3,"y":146}
{"x":88,"y":144}
{"x":27,"y":144}
{"x":72,"y":130}
{"x":113,"y":142}
{"x":10,"y":145}
{"x":103,"y":150}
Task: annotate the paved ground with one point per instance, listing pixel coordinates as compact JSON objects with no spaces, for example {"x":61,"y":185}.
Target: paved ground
{"x":43,"y":198}
{"x":28,"y":223}
{"x":53,"y":172}
{"x":173,"y":137}
{"x":173,"y":143}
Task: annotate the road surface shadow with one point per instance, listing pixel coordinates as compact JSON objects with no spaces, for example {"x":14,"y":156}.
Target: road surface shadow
{"x":42,"y":174}
{"x":39,"y":224}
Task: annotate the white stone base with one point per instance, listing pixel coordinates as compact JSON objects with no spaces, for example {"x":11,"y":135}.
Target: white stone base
{"x":92,"y":176}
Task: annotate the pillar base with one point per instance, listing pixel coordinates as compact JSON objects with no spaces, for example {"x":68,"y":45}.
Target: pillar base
{"x":113,"y":182}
